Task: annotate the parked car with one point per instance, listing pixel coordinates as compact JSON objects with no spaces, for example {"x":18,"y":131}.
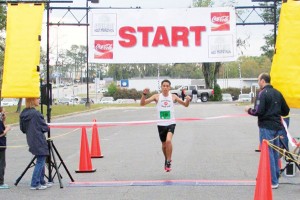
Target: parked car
{"x":125,"y":101}
{"x":65,"y":101}
{"x":84,"y":100}
{"x":244,"y":98}
{"x":107,"y":100}
{"x":226,"y":97}
{"x":202,"y":93}
{"x":9,"y":102}
{"x":102,"y":90}
{"x":74,"y":98}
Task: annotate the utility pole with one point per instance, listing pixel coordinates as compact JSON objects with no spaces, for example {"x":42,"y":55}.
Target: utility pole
{"x":240,"y":71}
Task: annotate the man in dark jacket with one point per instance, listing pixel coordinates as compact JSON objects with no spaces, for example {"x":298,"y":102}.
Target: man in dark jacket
{"x":32,"y":123}
{"x":270,"y":105}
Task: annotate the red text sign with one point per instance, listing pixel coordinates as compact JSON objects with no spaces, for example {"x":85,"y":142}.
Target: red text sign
{"x":179,"y":34}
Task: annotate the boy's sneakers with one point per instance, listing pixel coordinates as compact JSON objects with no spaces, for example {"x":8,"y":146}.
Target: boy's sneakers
{"x":168,"y":165}
{"x":4,"y":186}
{"x":40,"y":187}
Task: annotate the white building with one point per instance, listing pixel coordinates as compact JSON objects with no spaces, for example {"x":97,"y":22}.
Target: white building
{"x":154,"y":83}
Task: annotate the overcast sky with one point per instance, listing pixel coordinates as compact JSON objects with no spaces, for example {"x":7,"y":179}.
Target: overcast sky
{"x":63,"y":37}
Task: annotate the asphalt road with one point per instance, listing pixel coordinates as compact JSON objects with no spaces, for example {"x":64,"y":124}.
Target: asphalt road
{"x":213,"y":158}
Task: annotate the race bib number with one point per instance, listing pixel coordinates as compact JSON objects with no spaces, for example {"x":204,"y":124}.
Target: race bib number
{"x":165,"y":115}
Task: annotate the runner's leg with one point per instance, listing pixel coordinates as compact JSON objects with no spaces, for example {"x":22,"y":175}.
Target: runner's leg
{"x":169,"y":146}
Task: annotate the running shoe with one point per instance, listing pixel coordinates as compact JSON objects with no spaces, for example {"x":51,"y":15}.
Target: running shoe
{"x":165,"y":164}
{"x":168,"y":166}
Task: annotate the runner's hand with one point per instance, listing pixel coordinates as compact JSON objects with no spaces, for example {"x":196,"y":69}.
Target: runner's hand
{"x":146,"y":91}
{"x":188,"y":98}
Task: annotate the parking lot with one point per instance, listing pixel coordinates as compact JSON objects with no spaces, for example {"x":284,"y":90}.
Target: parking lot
{"x":213,"y":157}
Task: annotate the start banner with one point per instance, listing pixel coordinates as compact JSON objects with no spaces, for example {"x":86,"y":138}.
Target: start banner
{"x":162,"y":35}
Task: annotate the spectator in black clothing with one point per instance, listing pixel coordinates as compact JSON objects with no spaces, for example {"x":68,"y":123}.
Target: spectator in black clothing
{"x":270,"y":105}
{"x":194,"y":95}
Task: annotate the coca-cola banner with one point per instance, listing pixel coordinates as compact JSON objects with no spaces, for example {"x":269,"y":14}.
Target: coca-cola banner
{"x":162,"y":35}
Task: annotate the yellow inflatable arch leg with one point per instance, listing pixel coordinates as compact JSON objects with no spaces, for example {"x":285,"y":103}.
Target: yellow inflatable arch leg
{"x":285,"y":70}
{"x":22,"y":51}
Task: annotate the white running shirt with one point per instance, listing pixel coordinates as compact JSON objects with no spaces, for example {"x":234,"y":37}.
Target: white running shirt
{"x":165,"y":110}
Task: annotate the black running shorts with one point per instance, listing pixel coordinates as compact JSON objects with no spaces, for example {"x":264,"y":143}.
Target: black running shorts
{"x":163,"y":131}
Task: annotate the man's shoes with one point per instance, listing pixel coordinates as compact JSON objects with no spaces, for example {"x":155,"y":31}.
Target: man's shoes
{"x":275,"y":186}
{"x":48,"y":184}
{"x":40,"y":187}
{"x":168,"y":166}
{"x":4,"y":186}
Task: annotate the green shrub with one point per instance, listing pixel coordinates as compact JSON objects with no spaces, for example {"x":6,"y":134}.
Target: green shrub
{"x":123,"y":93}
{"x":217,"y":93}
{"x":112,"y":88}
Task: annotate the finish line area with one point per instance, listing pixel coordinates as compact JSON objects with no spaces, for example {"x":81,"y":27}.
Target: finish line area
{"x":213,"y":156}
{"x":164,"y":183}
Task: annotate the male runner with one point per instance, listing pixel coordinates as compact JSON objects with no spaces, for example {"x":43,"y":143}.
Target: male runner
{"x":166,"y":118}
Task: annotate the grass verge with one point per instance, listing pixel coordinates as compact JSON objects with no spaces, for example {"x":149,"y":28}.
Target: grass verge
{"x":12,"y":116}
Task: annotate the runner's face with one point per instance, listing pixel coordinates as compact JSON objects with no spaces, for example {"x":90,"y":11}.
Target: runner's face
{"x":165,"y":87}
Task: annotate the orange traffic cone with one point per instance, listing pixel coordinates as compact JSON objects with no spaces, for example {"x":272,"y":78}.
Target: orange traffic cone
{"x":95,"y":146}
{"x":263,"y":189}
{"x":85,"y":163}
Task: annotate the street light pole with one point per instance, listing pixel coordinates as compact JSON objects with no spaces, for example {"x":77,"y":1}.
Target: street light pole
{"x":87,"y":104}
{"x":240,"y":72}
{"x":158,"y":81}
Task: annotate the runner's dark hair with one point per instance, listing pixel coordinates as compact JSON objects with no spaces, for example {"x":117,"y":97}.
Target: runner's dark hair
{"x":165,"y":81}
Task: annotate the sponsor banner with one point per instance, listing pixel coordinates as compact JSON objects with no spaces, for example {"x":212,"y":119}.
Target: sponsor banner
{"x":162,"y":35}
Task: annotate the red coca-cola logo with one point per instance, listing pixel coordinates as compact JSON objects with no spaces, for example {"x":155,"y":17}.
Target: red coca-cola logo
{"x":220,"y":21}
{"x":103,"y":49}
